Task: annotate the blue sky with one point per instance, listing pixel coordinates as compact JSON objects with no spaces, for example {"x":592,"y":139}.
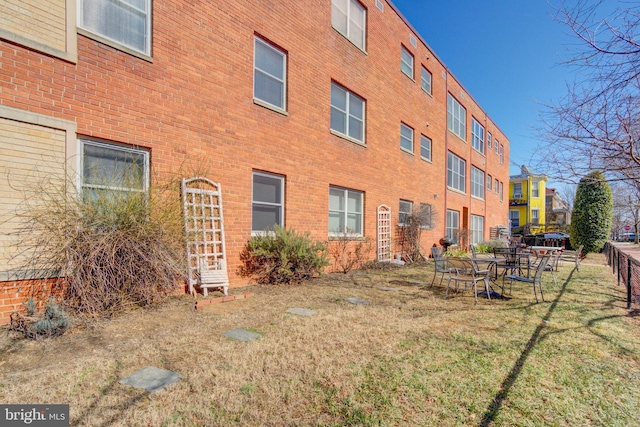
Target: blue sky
{"x":506,"y":53}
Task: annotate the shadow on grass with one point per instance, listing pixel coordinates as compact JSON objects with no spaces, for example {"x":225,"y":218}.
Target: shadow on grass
{"x":496,"y":404}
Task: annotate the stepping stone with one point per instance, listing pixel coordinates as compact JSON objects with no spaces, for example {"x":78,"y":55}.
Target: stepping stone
{"x":301,"y":311}
{"x":151,"y":378}
{"x":241,"y":334}
{"x":384,"y":288}
{"x":357,"y":301}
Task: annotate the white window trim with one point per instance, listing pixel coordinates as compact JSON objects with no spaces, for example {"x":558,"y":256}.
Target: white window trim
{"x":477,"y":136}
{"x":364,"y":117}
{"x":535,"y":189}
{"x":262,"y":102}
{"x":475,"y":232}
{"x":458,"y":114}
{"x":281,"y":204}
{"x":402,"y":138}
{"x":430,"y":141}
{"x":408,"y":203}
{"x":423,"y":70}
{"x":357,"y":233}
{"x":348,"y":36}
{"x":116,"y":44}
{"x":137,"y":151}
{"x":409,"y":65}
{"x":448,"y":227}
{"x":480,"y":184}
{"x":463,"y":175}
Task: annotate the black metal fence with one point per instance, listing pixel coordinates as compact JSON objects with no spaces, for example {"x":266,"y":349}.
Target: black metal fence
{"x":628,"y":271}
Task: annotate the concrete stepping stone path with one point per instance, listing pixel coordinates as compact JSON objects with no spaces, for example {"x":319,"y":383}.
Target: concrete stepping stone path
{"x":151,"y":378}
{"x":301,"y":311}
{"x":241,"y":334}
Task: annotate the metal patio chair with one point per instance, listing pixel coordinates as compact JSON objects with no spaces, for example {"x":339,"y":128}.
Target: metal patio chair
{"x":536,"y":280}
{"x":463,"y":270}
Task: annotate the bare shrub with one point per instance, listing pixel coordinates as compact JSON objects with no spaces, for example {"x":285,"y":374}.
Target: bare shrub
{"x":108,"y":247}
{"x":349,"y":252}
{"x":410,"y":232}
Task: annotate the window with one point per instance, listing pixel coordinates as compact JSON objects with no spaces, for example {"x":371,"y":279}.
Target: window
{"x":405,"y":211}
{"x":456,"y":172}
{"x":269,"y":74}
{"x":456,"y":117}
{"x":477,"y":182}
{"x":497,"y":146}
{"x":517,"y":190}
{"x":347,"y":113}
{"x":501,"y":193}
{"x":425,"y":147}
{"x":406,"y":138}
{"x":477,"y":135}
{"x":113,"y":170}
{"x":425,"y":80}
{"x":501,"y":154}
{"x":514,"y":218}
{"x":489,"y":138}
{"x":125,"y":22}
{"x":267,"y":202}
{"x":535,"y":216}
{"x":489,"y":181}
{"x":495,"y":187}
{"x":406,"y":62}
{"x":453,"y":224}
{"x":345,"y":211}
{"x":477,"y":229}
{"x":424,"y":215}
{"x":349,"y":17}
{"x":535,"y":189}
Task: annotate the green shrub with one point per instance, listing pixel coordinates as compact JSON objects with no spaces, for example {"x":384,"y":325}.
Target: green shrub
{"x":282,"y":257}
{"x":456,"y":252}
{"x":52,"y":323}
{"x":592,"y":214}
{"x":488,"y":246}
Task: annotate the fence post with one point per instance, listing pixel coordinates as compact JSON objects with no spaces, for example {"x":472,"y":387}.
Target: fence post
{"x":618,"y":268}
{"x":628,"y":283}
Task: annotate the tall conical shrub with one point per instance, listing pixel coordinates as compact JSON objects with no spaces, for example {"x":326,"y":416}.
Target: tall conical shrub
{"x":592,"y":214}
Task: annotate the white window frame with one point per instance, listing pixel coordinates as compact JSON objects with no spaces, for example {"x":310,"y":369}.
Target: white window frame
{"x":426,"y":79}
{"x":477,"y":229}
{"x":429,"y":209}
{"x":535,"y":189}
{"x":489,"y":183}
{"x":425,"y":147}
{"x":127,"y":150}
{"x":279,"y":204}
{"x":517,"y":194}
{"x":501,"y":191}
{"x":453,"y":225}
{"x":477,"y":135}
{"x":477,"y":182}
{"x":456,"y":173}
{"x":535,"y":216}
{"x":347,"y":8}
{"x":456,"y":118}
{"x":501,"y":154}
{"x":84,"y":26}
{"x":489,"y":141}
{"x":258,"y":71}
{"x":405,"y":209}
{"x":345,"y":213}
{"x":407,"y":62}
{"x":406,"y":138}
{"x":350,"y":99}
{"x":496,"y":186}
{"x":496,"y":145}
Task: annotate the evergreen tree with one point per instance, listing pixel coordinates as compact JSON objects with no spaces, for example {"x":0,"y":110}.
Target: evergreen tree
{"x":592,"y":214}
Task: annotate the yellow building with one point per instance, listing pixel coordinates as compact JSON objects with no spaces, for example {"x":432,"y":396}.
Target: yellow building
{"x":527,"y":201}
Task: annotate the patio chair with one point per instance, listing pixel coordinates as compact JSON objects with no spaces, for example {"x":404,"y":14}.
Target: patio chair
{"x":552,"y":265}
{"x":463,"y":270}
{"x":572,"y":256}
{"x":440,"y":263}
{"x":507,"y":260}
{"x":536,"y":280}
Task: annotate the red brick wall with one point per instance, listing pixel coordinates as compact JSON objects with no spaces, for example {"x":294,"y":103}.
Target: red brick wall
{"x":192,"y":107}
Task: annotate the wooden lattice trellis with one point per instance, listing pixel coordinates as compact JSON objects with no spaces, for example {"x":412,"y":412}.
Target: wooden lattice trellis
{"x":384,"y":233}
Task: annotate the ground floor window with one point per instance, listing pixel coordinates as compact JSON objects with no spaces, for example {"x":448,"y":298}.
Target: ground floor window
{"x":405,"y":210}
{"x":453,"y":225}
{"x":477,"y":229}
{"x":267,"y":202}
{"x":345,"y":211}
{"x":514,"y":218}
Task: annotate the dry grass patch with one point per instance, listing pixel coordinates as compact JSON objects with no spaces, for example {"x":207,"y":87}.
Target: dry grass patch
{"x":407,"y":358}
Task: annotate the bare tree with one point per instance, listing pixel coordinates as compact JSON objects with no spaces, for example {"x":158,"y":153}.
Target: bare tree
{"x":596,"y":126}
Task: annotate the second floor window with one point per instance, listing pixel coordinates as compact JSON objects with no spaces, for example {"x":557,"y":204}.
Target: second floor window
{"x":406,"y":138}
{"x":517,"y":190}
{"x":269,"y":74}
{"x":456,"y":172}
{"x":477,"y":182}
{"x":406,"y":62}
{"x":347,"y":113}
{"x":126,"y":22}
{"x":535,"y":189}
{"x":425,"y":147}
{"x":425,"y":80}
{"x":350,"y":19}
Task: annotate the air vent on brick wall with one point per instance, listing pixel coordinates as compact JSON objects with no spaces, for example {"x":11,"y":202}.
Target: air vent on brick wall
{"x":380,"y":5}
{"x":413,"y":40}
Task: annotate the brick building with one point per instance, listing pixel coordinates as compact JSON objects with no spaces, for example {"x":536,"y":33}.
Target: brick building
{"x":309,"y":114}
